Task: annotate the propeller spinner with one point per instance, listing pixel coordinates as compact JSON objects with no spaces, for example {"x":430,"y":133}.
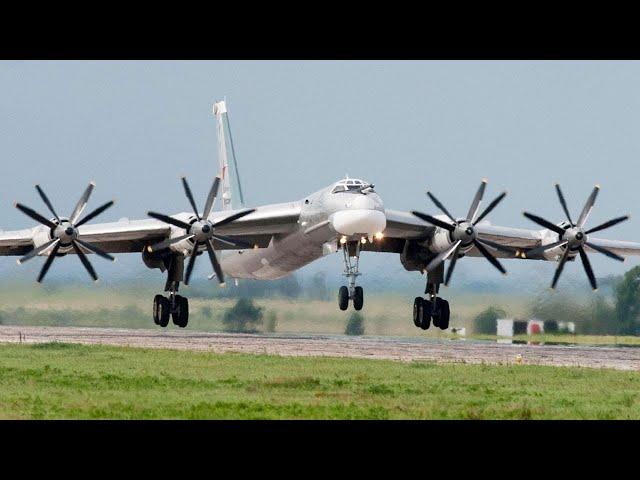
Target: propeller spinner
{"x":202,"y":231}
{"x":463,"y":232}
{"x":575,"y":237}
{"x":64,"y":232}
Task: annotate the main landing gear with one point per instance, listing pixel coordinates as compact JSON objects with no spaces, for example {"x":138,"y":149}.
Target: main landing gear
{"x":174,"y":306}
{"x":351,"y":252}
{"x":433,"y":309}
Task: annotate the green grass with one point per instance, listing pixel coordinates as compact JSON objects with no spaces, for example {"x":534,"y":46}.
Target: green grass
{"x":90,"y":382}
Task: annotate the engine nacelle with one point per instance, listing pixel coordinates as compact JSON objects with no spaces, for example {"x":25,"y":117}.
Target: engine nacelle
{"x":441,"y":241}
{"x":153,"y":260}
{"x":42,"y":235}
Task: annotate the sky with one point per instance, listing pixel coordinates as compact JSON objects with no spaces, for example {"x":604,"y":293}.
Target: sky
{"x":407,"y":126}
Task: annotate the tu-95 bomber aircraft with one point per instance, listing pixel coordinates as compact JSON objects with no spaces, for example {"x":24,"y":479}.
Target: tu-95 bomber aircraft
{"x":272,"y":241}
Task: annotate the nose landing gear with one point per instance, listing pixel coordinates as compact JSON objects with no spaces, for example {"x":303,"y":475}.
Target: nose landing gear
{"x":351,"y":252}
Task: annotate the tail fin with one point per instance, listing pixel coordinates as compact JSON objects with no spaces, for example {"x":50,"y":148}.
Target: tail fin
{"x":232,"y":197}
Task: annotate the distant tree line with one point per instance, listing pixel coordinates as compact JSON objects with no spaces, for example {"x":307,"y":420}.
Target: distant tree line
{"x":615,"y":313}
{"x":289,"y":287}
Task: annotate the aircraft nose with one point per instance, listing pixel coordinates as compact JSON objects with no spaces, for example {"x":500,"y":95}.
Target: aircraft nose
{"x":364,"y":222}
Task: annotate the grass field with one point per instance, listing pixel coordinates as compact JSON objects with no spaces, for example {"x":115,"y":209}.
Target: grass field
{"x":97,"y":306}
{"x":55,"y":381}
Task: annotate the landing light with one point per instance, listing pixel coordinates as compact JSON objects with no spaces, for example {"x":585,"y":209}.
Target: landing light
{"x":343,"y":240}
{"x":363,"y":240}
{"x":379,"y":236}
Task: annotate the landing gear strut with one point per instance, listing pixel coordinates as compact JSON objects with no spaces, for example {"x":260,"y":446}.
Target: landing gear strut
{"x":174,"y":306}
{"x":351,"y":252}
{"x":432,"y":309}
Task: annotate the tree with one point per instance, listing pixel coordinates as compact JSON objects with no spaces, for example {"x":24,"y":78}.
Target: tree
{"x":207,"y":312}
{"x":319,"y":289}
{"x":628,"y":302}
{"x":244,"y":316}
{"x":355,"y":325}
{"x":485,"y":321}
{"x":272,"y":321}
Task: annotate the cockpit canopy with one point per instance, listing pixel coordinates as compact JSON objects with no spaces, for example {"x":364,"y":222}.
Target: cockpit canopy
{"x":352,"y":185}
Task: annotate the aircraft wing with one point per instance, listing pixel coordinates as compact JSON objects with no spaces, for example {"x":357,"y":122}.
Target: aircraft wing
{"x":127,"y":236}
{"x":403,"y":226}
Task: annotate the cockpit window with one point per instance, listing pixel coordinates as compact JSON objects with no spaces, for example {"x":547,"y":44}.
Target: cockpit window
{"x":353,"y":186}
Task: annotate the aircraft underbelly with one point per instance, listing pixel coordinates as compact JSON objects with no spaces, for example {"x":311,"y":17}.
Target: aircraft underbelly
{"x":282,"y":257}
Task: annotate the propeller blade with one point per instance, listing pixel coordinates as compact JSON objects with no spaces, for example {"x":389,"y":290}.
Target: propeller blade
{"x":490,"y":207}
{"x":587,"y":268}
{"x":494,"y":261}
{"x":540,"y":250}
{"x":544,"y":223}
{"x":556,"y":275}
{"x":85,"y":261}
{"x":169,"y":220}
{"x":563,"y":203}
{"x":95,"y":213}
{"x":232,"y":241}
{"x":214,"y":262}
{"x":588,"y":206}
{"x":434,"y":221}
{"x":35,"y":215}
{"x":167,"y":243}
{"x":442,"y":256}
{"x":82,"y":203}
{"x":233,"y":218}
{"x":47,"y":264}
{"x":187,"y":191}
{"x":45,"y":199}
{"x":605,"y":251}
{"x":441,"y":206}
{"x":92,"y":248}
{"x":211,"y":199}
{"x":475,"y":204}
{"x":37,"y":251}
{"x":452,"y":265}
{"x":608,"y":224}
{"x":192,"y":262}
{"x":497,"y":246}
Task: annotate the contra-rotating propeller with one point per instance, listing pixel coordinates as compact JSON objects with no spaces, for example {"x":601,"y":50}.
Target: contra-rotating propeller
{"x":575,"y":237}
{"x":202,"y":231}
{"x":64,"y":232}
{"x":462,"y":232}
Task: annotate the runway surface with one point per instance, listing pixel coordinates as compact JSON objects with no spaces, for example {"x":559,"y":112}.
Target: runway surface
{"x":390,"y":348}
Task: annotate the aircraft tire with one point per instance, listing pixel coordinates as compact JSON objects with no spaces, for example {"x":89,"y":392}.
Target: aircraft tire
{"x":180,"y":315}
{"x":343,"y":298}
{"x":445,"y":313}
{"x":418,"y":311}
{"x":358,"y":298}
{"x":427,"y":309}
{"x":164,"y":312}
{"x":156,"y":302}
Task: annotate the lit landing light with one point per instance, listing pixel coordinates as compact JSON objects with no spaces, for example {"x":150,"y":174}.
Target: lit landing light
{"x":363,"y":240}
{"x":379,"y":236}
{"x":343,"y":240}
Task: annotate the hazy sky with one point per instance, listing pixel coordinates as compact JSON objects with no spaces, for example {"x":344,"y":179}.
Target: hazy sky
{"x":135,"y":127}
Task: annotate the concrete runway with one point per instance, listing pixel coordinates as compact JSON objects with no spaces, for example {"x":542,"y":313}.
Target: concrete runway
{"x":390,"y":348}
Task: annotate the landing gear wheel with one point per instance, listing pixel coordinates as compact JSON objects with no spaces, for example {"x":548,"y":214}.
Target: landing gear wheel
{"x":427,"y":309}
{"x":445,"y":313}
{"x":156,"y":309}
{"x":343,"y":298}
{"x":417,"y":312}
{"x":181,"y":313}
{"x":164,"y":311}
{"x":358,"y":298}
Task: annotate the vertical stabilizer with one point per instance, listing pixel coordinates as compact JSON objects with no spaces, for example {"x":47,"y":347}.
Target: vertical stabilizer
{"x":230,"y":187}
